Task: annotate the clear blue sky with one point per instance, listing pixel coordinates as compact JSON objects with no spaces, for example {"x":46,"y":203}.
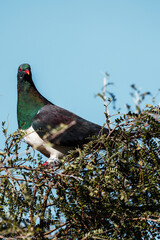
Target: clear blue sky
{"x":70,"y":43}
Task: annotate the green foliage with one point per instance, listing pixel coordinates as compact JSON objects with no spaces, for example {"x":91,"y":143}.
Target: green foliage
{"x":110,"y":189}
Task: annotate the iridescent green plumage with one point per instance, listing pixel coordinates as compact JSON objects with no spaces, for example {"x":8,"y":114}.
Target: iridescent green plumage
{"x":29,"y":99}
{"x":24,"y":66}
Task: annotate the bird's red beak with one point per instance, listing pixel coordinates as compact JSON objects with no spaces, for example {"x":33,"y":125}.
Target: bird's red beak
{"x":27,"y":71}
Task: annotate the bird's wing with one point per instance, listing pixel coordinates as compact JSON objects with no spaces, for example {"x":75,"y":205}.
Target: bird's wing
{"x":61,"y":127}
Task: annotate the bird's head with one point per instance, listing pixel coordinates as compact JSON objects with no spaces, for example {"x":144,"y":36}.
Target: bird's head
{"x":24,"y":72}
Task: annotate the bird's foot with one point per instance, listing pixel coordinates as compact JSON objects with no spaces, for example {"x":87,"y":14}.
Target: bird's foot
{"x":52,"y":162}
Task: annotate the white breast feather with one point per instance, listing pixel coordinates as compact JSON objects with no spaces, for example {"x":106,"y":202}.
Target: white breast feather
{"x":33,"y":139}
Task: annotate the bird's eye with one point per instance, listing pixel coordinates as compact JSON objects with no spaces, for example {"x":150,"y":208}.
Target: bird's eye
{"x":20,"y":69}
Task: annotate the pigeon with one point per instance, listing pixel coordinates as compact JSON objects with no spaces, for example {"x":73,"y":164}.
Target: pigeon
{"x":48,"y":128}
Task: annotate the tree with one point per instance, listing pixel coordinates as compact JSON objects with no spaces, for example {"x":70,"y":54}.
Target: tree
{"x":110,"y":189}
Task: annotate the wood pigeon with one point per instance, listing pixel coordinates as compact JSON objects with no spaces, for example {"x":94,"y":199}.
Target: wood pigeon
{"x":48,"y":128}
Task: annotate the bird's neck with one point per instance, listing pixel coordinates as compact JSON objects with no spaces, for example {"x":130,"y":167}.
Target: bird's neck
{"x":30,"y":101}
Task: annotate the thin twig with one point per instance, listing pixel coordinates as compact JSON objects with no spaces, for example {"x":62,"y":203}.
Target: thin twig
{"x":62,"y":225}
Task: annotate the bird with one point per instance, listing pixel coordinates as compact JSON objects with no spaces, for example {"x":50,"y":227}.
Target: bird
{"x":48,"y":128}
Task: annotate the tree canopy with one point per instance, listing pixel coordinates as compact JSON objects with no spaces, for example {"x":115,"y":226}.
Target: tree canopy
{"x":109,"y":189}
